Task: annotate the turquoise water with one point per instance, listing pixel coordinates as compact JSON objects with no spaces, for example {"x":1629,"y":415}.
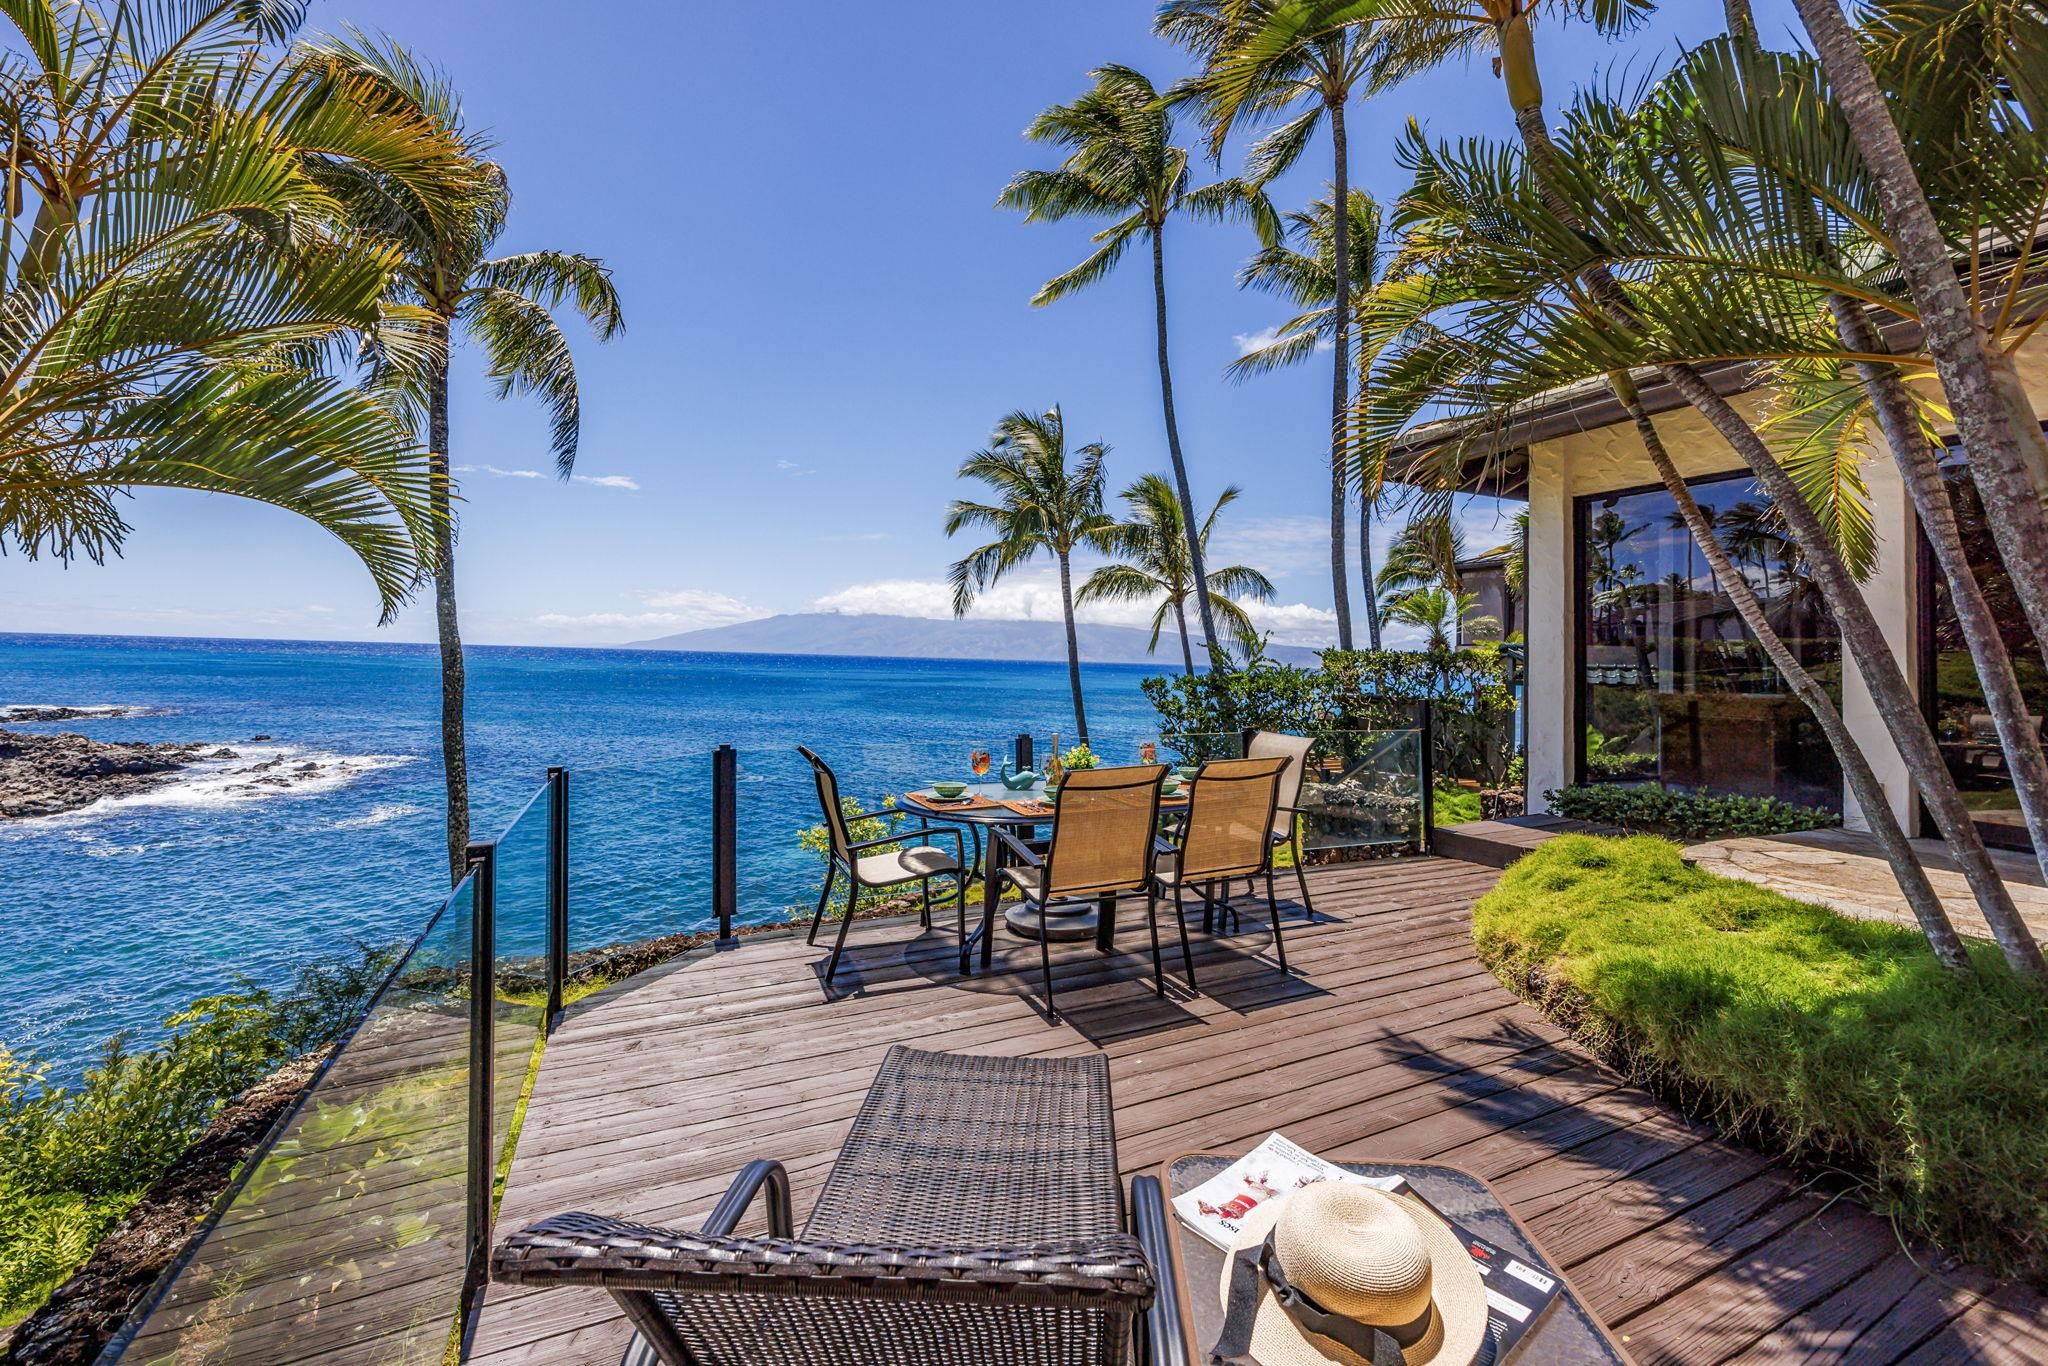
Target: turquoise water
{"x":329,"y":831}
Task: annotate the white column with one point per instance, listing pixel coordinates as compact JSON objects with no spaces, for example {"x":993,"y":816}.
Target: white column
{"x":1890,"y":590}
{"x":1549,"y":698}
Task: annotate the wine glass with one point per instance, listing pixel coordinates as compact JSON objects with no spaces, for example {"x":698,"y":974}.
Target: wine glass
{"x":1148,"y":753}
{"x":978,"y":761}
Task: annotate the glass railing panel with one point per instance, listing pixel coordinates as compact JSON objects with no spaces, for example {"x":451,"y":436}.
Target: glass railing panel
{"x":639,"y":855}
{"x":520,"y":870}
{"x":1364,"y":788}
{"x":346,"y":1239}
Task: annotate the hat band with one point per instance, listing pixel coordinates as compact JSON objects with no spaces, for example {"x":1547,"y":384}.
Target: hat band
{"x":1254,"y":1267}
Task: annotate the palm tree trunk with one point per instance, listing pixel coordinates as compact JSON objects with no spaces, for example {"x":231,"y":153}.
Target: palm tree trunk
{"x":1340,"y":380}
{"x":1073,"y":648}
{"x":1898,"y":417}
{"x":454,"y":749}
{"x":1853,"y":618}
{"x":1365,"y":570}
{"x":1189,"y":528}
{"x":1856,"y":769}
{"x":2008,"y":451}
{"x":1187,"y":652}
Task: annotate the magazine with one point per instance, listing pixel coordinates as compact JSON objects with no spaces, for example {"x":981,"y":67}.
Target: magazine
{"x":1516,"y":1292}
{"x":1216,"y":1208}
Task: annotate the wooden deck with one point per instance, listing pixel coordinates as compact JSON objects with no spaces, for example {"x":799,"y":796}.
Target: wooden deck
{"x":1390,"y":1041}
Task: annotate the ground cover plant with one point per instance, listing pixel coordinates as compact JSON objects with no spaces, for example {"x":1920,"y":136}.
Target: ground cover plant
{"x":1842,"y":1042}
{"x":1700,"y":815}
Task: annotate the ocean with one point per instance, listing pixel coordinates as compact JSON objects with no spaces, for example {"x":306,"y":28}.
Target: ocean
{"x":326,"y":833}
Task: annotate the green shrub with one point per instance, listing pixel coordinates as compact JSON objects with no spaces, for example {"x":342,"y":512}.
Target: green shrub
{"x":1455,"y":805}
{"x":73,"y":1160}
{"x":1698,"y":815}
{"x":1837,"y":1040}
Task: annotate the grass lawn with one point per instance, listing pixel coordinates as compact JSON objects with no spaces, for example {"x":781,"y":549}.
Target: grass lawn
{"x":1841,"y":1041}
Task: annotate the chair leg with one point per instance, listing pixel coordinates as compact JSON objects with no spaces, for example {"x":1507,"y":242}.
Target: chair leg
{"x":960,"y":912}
{"x":831,"y":872}
{"x":1045,"y":966}
{"x":1273,"y":909}
{"x":839,"y":944}
{"x":1301,"y":874}
{"x":1180,"y":921}
{"x":1152,"y":921}
{"x":924,"y":910}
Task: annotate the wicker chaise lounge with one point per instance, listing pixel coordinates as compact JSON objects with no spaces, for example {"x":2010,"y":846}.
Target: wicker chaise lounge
{"x":974,"y":1216}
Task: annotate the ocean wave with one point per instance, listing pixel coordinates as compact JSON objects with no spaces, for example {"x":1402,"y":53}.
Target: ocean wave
{"x":26,"y":713}
{"x":381,"y":814}
{"x":255,"y":773}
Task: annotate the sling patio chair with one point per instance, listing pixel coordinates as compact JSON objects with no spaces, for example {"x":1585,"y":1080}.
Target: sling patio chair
{"x":1225,"y":834}
{"x":1104,"y":823}
{"x":973,"y":1218}
{"x":898,"y":863}
{"x":1267,"y":744}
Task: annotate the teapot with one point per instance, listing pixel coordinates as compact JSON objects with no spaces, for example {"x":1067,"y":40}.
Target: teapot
{"x":1018,"y":781}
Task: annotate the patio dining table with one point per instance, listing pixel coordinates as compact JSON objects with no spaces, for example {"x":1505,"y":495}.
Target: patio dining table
{"x":990,"y":805}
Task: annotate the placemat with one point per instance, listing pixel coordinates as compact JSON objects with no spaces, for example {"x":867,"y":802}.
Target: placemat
{"x":1031,"y":806}
{"x":972,"y":802}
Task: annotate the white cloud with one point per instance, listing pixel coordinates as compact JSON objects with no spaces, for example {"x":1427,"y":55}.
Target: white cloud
{"x":711,"y":607}
{"x":1037,"y":598}
{"x":498,"y":473}
{"x":793,"y":468}
{"x":609,"y":481}
{"x":660,"y":613}
{"x":1248,"y":342}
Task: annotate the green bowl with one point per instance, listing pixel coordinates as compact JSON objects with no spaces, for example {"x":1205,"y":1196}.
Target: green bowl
{"x":1188,"y":771}
{"x":1169,"y":787}
{"x":949,"y":790}
{"x":1051,"y":790}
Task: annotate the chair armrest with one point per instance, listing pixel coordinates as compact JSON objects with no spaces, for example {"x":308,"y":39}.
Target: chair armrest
{"x":1165,"y":1335}
{"x":1107,"y":1272}
{"x":1024,"y":852}
{"x":901,"y":836}
{"x":733,"y":1204}
{"x":1162,"y":845}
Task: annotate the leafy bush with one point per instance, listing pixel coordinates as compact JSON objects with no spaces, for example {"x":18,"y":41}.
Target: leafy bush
{"x":1455,"y":805}
{"x":73,"y":1160}
{"x":1605,"y":758}
{"x":1840,"y":1041}
{"x":862,"y":825}
{"x":1698,"y":815}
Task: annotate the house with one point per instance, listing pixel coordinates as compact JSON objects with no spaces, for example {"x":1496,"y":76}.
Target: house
{"x":1639,"y":670}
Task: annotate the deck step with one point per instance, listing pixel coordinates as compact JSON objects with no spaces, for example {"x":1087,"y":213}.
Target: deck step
{"x":1496,"y":844}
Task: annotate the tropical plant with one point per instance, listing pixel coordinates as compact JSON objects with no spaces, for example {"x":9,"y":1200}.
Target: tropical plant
{"x":1306,"y":276}
{"x":1042,"y":505}
{"x":1123,"y":166}
{"x":175,"y":275}
{"x":1423,"y":555}
{"x":1154,"y":563}
{"x":452,"y":286}
{"x":1437,"y":612}
{"x":1295,"y":62}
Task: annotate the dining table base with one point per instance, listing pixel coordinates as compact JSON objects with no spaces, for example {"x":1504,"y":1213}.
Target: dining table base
{"x":1059,"y":924}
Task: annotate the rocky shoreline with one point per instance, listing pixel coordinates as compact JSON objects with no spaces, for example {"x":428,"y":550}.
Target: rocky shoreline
{"x":46,"y":775}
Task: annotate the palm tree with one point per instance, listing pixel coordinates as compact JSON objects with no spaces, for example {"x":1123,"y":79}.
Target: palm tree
{"x":504,"y":305}
{"x":1423,"y":556}
{"x":1123,"y":166}
{"x":1153,"y":547}
{"x":1306,"y":276}
{"x":174,"y":280}
{"x":1042,"y":506}
{"x":1438,"y":611}
{"x":1302,"y":80}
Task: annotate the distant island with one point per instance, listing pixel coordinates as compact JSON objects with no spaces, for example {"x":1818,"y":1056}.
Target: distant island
{"x":836,"y":633}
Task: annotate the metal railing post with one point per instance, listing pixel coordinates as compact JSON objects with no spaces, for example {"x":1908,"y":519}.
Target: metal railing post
{"x":483,"y":995}
{"x":1023,"y":751}
{"x":558,"y":892}
{"x":1426,"y":717}
{"x":725,"y":837}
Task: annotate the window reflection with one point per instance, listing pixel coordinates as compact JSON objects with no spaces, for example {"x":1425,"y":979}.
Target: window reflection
{"x":1677,"y":690}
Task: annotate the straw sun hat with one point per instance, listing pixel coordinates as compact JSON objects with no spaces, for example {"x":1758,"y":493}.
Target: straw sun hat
{"x":1357,"y":1256}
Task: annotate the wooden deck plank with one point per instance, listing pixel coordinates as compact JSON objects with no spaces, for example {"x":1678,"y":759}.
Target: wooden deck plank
{"x":1390,"y":1041}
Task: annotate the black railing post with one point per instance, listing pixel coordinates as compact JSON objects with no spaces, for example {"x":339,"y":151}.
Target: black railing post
{"x":483,"y":995}
{"x":1426,"y":722}
{"x":1023,"y":752}
{"x":558,"y":892}
{"x":725,"y":837}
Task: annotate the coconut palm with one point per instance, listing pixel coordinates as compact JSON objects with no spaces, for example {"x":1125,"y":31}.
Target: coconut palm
{"x":1042,"y":506}
{"x":1123,"y":166}
{"x":1287,"y":61}
{"x":1437,"y":612}
{"x":174,"y":279}
{"x":503,"y":305}
{"x":1154,"y":563}
{"x":1306,"y":276}
{"x":1423,"y":556}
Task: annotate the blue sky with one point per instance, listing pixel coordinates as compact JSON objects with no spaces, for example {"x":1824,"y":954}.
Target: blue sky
{"x":824,"y":315}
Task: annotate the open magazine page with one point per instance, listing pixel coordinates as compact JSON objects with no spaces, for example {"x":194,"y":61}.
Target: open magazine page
{"x":1216,"y":1208}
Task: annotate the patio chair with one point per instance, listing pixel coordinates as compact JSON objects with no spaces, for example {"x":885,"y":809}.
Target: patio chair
{"x":1104,"y":823}
{"x":1225,"y":834}
{"x":1266,"y":744}
{"x":892,"y":867}
{"x":973,"y":1217}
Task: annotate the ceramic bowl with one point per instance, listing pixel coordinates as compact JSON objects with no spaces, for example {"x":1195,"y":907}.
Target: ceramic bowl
{"x":949,"y":790}
{"x":1188,"y":771}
